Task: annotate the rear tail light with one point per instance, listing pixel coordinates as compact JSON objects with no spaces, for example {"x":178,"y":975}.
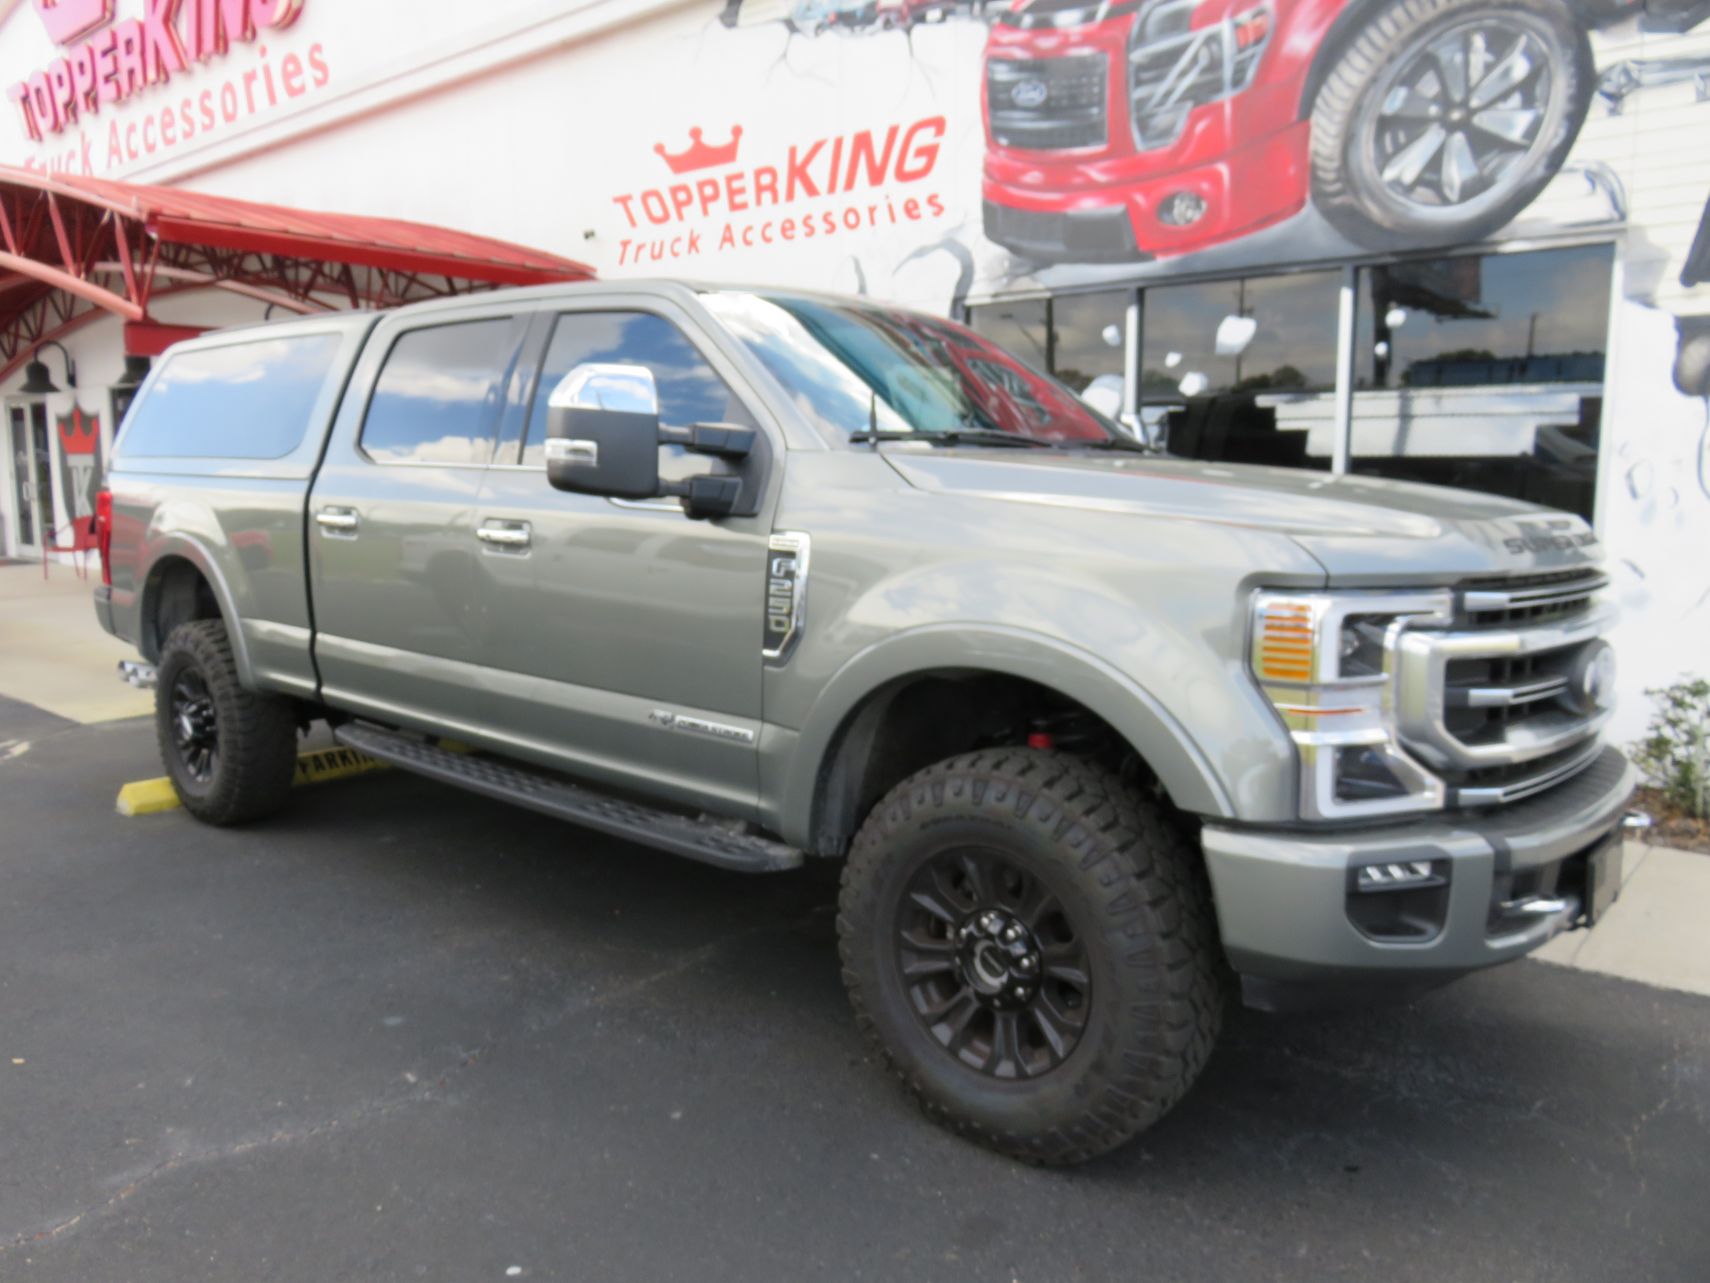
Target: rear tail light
{"x":104,"y":533}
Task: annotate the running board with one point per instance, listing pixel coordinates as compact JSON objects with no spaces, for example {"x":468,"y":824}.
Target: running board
{"x":703,"y":840}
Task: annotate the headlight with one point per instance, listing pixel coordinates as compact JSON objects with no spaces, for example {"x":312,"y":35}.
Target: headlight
{"x":1325,"y":662}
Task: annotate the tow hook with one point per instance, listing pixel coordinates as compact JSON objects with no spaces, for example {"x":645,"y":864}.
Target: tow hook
{"x":137,"y":673}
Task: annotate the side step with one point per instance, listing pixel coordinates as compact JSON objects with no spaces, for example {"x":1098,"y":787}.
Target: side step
{"x":702,"y":840}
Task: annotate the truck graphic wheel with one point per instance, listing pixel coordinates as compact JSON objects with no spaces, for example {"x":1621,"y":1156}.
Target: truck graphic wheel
{"x":1031,"y":946}
{"x":1443,"y":119}
{"x":228,"y":751}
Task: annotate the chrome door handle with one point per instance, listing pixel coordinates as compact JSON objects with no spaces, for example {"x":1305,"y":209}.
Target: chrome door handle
{"x":510,"y":535}
{"x":338,"y":521}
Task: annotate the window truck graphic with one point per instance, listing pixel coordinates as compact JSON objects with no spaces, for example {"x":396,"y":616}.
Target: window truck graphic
{"x":1121,"y":130}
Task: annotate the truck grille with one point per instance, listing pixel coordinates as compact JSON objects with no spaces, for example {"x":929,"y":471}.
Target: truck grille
{"x":1531,"y":599}
{"x":1496,"y":705}
{"x":1047,"y":104}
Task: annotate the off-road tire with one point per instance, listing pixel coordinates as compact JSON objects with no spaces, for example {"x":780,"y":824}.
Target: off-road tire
{"x":251,"y":776}
{"x":1130,"y":880}
{"x":1343,"y":190}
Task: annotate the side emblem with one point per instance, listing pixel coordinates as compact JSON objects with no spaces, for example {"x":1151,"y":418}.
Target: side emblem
{"x":786,"y":594}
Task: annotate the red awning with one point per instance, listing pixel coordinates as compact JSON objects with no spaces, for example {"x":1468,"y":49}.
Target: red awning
{"x":73,"y":248}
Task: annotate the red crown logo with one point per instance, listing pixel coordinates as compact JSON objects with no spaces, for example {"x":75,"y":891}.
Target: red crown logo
{"x":66,"y":20}
{"x":78,"y":431}
{"x":700,"y":155}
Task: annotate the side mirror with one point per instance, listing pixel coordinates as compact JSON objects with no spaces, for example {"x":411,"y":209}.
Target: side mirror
{"x":602,"y":432}
{"x":603,"y":437}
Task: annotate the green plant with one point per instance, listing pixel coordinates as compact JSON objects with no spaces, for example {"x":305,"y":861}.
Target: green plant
{"x":1675,"y":752}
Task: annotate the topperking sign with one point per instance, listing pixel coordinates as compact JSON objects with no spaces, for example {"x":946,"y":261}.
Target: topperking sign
{"x":104,"y":63}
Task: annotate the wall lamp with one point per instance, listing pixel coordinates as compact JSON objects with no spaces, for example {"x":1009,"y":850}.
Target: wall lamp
{"x":37,"y":382}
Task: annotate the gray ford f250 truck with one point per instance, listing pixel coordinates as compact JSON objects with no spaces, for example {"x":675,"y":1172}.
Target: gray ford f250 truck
{"x":753,"y":576}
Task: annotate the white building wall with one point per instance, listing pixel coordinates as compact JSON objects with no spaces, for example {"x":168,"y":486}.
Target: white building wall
{"x":533,"y":121}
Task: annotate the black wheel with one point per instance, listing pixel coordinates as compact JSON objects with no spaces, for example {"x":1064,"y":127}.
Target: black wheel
{"x":228,"y":751}
{"x":1032,"y":949}
{"x":1443,"y":119}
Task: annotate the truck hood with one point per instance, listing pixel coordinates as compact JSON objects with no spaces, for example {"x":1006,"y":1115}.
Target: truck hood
{"x":1358,"y":528}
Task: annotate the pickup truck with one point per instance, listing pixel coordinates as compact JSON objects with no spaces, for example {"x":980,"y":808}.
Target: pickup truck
{"x":1101,"y":737}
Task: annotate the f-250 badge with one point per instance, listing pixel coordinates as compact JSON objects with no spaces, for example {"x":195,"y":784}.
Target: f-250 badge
{"x":786,"y":593}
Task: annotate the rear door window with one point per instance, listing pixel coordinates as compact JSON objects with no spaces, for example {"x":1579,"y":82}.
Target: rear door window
{"x":437,"y":399}
{"x":240,"y":401}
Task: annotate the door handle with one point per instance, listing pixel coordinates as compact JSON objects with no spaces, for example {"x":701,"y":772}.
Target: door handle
{"x":338,"y":521}
{"x":512,"y":536}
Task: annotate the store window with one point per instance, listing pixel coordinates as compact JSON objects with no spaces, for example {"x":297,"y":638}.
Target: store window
{"x":1243,"y":371}
{"x":1486,"y":372}
{"x":1021,"y":327}
{"x":690,"y":391}
{"x":1078,"y":338}
{"x":437,"y":397}
{"x":1087,"y":346}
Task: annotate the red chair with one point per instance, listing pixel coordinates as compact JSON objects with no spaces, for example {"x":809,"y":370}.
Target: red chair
{"x":82,"y":531}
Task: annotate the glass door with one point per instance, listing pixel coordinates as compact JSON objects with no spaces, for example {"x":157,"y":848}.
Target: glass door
{"x":30,"y":451}
{"x":20,"y":450}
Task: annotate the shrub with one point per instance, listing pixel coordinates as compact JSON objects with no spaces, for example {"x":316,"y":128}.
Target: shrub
{"x":1675,"y":752}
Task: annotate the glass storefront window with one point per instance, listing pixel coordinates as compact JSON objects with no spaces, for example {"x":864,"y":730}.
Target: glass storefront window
{"x":1020,"y":327}
{"x":1086,"y":346}
{"x":1485,"y":372}
{"x":1243,"y":371}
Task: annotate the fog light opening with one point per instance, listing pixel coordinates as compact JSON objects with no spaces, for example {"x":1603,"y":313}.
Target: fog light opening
{"x":1182,"y":209}
{"x":1401,"y":875}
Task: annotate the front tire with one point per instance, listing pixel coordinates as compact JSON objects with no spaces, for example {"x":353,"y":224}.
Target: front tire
{"x":1032,"y":949}
{"x":228,"y":751}
{"x":1443,"y":119}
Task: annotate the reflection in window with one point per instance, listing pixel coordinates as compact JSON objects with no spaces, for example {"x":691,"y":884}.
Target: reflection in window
{"x":1484,"y":371}
{"x":1227,"y":366}
{"x":854,"y":366}
{"x":437,"y":397}
{"x":239,"y":401}
{"x":689,"y":389}
{"x":1086,"y":346}
{"x":1020,"y":327}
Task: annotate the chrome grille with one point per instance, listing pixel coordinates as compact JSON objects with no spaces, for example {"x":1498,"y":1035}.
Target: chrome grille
{"x":1491,"y":603}
{"x":1493,"y":703}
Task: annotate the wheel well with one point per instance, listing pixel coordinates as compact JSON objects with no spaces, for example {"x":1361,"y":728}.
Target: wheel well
{"x":175,"y":593}
{"x":915,"y":721}
{"x":1343,"y":28}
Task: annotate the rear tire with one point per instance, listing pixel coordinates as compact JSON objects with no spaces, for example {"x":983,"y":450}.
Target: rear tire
{"x":1031,"y":947}
{"x":228,"y":751}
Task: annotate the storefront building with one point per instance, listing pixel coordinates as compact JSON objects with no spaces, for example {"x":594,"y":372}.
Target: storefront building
{"x":1451,"y":241}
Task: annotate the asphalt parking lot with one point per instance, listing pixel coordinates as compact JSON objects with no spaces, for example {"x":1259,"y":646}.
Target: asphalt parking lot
{"x":404,"y":1033}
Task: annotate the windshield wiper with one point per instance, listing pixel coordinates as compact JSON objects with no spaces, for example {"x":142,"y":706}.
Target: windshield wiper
{"x":954,"y":436}
{"x":1114,"y":443}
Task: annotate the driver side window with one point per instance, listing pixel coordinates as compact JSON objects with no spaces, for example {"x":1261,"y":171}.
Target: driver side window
{"x":689,"y":389}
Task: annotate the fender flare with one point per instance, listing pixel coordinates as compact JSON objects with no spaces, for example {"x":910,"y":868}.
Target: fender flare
{"x":192,"y":550}
{"x":1182,"y":767}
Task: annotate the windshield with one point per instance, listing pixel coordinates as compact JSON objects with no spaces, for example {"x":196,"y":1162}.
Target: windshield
{"x":859,"y":368}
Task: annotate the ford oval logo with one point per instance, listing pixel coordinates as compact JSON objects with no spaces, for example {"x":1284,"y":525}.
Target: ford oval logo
{"x":1029,"y":94}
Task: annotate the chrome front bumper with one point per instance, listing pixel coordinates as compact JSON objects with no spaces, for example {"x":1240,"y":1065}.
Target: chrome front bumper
{"x":1283,"y":898}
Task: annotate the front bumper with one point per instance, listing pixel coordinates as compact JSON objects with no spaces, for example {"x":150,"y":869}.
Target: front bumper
{"x":1283,"y":898}
{"x":1058,"y":209}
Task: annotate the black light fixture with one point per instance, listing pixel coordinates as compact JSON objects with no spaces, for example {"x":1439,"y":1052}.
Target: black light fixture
{"x":136,"y":370}
{"x":37,"y":381}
